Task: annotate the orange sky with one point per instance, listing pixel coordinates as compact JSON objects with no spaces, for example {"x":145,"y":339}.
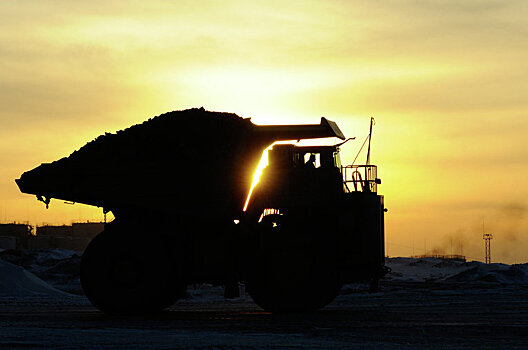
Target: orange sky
{"x":446,"y":81}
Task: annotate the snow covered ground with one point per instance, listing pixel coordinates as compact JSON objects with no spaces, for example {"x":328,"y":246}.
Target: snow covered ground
{"x":58,"y":270}
{"x":439,"y":270}
{"x":422,"y":303}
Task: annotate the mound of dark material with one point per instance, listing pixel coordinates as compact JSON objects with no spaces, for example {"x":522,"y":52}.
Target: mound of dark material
{"x":185,"y":159}
{"x":173,"y":136}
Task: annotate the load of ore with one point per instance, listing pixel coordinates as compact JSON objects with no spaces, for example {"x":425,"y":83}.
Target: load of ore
{"x":184,"y":159}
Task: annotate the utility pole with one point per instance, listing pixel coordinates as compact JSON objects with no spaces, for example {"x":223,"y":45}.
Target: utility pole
{"x":487,"y":246}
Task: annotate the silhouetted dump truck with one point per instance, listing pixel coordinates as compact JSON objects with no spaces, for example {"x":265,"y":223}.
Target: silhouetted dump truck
{"x":177,"y":185}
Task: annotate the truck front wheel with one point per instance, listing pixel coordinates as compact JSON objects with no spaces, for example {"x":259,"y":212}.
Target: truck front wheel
{"x":294,"y":279}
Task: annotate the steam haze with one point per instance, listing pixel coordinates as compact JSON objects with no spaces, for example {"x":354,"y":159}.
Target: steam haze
{"x":447,"y":83}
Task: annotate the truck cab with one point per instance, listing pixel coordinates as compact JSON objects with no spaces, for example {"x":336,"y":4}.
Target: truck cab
{"x":328,"y":214}
{"x":305,"y":176}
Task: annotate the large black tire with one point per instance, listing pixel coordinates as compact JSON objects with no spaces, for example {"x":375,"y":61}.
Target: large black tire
{"x":126,"y":273}
{"x":291,"y":276}
{"x":292,"y":280}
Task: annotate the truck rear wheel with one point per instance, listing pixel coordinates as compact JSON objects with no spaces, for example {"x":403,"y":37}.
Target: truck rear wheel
{"x":123,"y":274}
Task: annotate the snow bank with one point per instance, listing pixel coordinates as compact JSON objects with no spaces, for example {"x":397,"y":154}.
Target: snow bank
{"x":58,"y":267}
{"x":441,"y":270}
{"x":16,"y":281}
{"x":498,"y":273}
{"x":422,"y":270}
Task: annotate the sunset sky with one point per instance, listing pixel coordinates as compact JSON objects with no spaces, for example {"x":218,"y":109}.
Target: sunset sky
{"x":446,"y":81}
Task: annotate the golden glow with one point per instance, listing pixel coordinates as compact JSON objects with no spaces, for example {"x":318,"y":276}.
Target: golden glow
{"x":446,"y":81}
{"x":256,"y":177}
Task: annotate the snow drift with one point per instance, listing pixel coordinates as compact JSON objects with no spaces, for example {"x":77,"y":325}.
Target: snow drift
{"x":440,"y":270}
{"x":16,"y":281}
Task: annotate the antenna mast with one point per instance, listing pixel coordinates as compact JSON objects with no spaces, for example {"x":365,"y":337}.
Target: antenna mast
{"x":372,"y":122}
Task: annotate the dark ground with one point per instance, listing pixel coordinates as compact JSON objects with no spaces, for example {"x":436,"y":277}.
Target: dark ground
{"x":402,"y":316}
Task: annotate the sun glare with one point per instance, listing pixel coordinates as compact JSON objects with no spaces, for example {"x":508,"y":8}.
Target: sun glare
{"x":256,"y":177}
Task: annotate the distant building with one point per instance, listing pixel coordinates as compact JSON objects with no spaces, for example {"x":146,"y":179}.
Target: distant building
{"x":7,"y":242}
{"x":87,"y":229}
{"x":48,"y":230}
{"x":14,"y":235}
{"x":460,"y":258}
{"x":73,"y":237}
{"x":16,"y":230}
{"x":40,"y":242}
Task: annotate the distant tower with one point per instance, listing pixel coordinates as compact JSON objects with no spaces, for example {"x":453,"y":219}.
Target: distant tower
{"x":487,"y":243}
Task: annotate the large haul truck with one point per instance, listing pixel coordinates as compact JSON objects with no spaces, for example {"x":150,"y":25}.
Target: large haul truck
{"x":178,"y":188}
